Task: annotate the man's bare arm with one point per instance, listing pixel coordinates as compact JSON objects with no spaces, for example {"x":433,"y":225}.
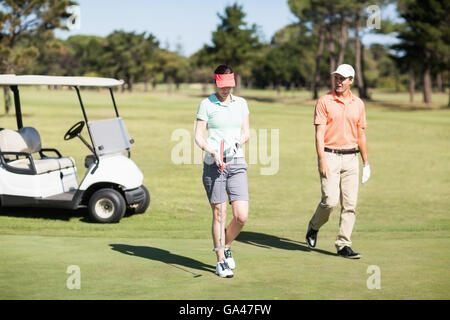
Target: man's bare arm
{"x":362,"y":145}
{"x":320,"y":145}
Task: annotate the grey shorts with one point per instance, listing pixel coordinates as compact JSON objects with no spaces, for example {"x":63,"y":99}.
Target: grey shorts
{"x":234,"y":181}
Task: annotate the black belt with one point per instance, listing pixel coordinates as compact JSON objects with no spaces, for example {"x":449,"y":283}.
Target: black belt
{"x":342,"y":151}
{"x":226,"y":160}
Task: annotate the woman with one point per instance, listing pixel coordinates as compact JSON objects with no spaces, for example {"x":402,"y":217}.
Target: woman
{"x":226,"y":119}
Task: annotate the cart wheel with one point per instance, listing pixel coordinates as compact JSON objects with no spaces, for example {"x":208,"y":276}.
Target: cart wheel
{"x":106,"y":206}
{"x":143,"y":205}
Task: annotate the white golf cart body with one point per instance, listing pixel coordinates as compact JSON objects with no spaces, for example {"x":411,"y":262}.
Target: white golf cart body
{"x":30,"y":177}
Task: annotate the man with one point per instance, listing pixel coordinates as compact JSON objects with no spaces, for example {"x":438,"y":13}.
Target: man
{"x":340,"y":121}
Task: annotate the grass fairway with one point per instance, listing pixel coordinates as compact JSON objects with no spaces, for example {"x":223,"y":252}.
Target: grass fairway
{"x":402,"y":224}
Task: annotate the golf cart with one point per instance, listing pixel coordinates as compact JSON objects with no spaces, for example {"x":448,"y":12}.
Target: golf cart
{"x":33,"y":176}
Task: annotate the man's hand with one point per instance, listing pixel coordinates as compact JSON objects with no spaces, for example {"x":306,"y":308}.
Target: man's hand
{"x":365,"y":173}
{"x":323,"y":168}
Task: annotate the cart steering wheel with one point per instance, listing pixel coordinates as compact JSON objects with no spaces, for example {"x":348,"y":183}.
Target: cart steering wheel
{"x":74,"y":131}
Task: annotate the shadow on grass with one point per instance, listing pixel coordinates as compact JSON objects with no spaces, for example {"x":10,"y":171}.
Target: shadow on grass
{"x":248,"y":97}
{"x":45,"y":213}
{"x":164,"y":256}
{"x":269,"y":241}
{"x":263,"y":99}
{"x":12,"y":115}
{"x":402,"y":106}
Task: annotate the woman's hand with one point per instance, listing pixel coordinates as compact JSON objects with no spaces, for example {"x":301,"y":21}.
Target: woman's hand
{"x":219,"y":162}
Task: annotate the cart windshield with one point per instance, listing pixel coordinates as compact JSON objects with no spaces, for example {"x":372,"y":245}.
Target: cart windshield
{"x":109,"y":136}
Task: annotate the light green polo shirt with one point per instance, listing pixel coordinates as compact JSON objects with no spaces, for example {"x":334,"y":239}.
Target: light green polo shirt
{"x":223,"y":122}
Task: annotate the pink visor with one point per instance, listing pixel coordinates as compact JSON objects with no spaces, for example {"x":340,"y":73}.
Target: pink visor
{"x":224,"y":80}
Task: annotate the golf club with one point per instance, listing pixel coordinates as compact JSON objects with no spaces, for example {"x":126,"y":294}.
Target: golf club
{"x":221,"y":240}
{"x":222,"y":165}
{"x":194,"y":274}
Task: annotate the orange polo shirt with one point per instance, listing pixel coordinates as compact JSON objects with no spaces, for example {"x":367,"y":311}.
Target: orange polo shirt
{"x":342,"y":120}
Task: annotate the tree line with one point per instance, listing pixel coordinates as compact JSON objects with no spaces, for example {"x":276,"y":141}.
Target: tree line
{"x":299,"y":55}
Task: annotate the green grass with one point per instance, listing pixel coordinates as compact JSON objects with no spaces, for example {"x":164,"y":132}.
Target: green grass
{"x":402,"y":224}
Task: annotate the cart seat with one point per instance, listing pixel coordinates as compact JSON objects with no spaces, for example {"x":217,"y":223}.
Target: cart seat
{"x":44,"y":165}
{"x":29,"y":141}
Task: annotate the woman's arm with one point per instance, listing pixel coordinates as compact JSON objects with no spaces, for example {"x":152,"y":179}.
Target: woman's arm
{"x":200,"y":130}
{"x":245,"y":131}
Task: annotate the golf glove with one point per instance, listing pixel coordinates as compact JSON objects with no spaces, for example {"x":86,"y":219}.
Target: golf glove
{"x":365,"y":174}
{"x":233,"y":149}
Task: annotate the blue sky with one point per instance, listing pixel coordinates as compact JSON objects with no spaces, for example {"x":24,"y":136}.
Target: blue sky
{"x":187,"y":23}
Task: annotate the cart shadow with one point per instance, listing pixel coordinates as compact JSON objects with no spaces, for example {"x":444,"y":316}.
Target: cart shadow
{"x":268,"y":241}
{"x":164,"y":256}
{"x":51,"y":213}
{"x":45,"y":213}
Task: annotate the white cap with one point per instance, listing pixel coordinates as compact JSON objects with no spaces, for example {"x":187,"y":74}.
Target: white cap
{"x":345,"y":70}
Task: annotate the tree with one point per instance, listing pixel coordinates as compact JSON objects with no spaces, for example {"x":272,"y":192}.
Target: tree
{"x":54,"y":58}
{"x":382,"y":71}
{"x":89,"y":51}
{"x":174,"y":68}
{"x":330,"y":23}
{"x":201,"y":65}
{"x":126,"y":53}
{"x":407,"y":62}
{"x":288,"y":61}
{"x":24,"y":19}
{"x":354,"y":15}
{"x":312,"y":15}
{"x":425,"y":38}
{"x":150,"y":62}
{"x":233,"y":42}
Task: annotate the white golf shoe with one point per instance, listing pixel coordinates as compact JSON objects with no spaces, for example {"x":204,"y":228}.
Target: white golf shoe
{"x":229,"y":259}
{"x":223,"y":270}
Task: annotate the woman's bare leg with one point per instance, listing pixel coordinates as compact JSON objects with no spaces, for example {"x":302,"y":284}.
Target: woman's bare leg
{"x":240,"y":215}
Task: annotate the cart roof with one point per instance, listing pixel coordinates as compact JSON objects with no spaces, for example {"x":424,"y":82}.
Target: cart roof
{"x":12,"y":79}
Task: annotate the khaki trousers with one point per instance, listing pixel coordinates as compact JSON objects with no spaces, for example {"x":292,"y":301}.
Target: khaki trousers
{"x":341,"y":185}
